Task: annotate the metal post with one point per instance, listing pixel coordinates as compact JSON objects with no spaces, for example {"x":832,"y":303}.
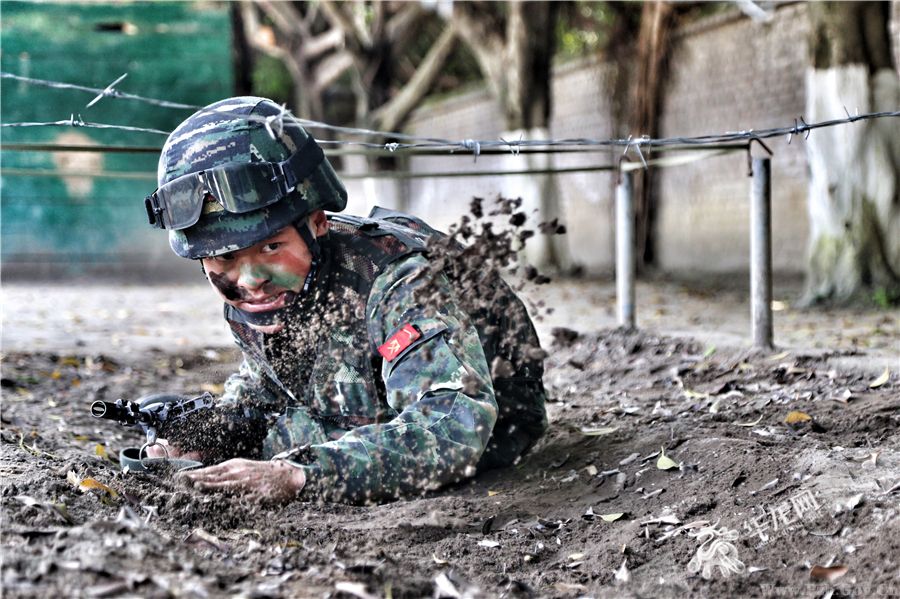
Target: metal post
{"x":761,"y":252}
{"x":625,"y":265}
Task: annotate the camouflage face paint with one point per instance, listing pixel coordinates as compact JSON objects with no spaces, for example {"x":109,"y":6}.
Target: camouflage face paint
{"x":226,"y":287}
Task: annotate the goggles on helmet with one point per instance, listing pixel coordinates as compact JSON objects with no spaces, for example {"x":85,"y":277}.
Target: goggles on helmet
{"x":238,"y":188}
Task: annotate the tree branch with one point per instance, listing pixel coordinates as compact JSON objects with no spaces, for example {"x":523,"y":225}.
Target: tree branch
{"x":315,"y":47}
{"x":358,"y":37}
{"x":486,"y":43}
{"x":392,"y":114}
{"x":404,"y":24}
{"x":285,"y":17}
{"x":330,"y":68}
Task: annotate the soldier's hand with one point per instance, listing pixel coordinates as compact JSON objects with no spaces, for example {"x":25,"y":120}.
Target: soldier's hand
{"x":162,"y":449}
{"x":274,"y":481}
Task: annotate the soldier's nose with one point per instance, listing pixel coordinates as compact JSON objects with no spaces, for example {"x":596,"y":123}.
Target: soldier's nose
{"x":252,"y":277}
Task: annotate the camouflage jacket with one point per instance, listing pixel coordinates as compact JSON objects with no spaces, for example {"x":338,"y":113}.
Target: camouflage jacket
{"x":379,"y":384}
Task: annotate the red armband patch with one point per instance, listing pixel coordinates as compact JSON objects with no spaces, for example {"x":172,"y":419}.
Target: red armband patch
{"x":399,"y":341}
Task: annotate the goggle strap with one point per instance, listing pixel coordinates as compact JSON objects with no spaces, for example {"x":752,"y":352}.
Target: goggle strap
{"x":302,"y":163}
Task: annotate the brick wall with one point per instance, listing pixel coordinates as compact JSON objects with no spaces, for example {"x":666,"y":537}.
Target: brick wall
{"x":728,"y":73}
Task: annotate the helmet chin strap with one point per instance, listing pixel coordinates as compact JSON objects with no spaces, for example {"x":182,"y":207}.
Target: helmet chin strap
{"x":304,"y":228}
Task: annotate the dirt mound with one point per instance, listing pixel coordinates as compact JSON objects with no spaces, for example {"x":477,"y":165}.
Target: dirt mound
{"x":776,"y":497}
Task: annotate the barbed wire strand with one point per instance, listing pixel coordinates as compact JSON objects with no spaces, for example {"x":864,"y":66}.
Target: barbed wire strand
{"x":625,"y":166}
{"x":471,"y":145}
{"x":378,"y":151}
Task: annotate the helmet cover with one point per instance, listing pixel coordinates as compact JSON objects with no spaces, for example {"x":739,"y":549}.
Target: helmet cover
{"x":233,"y":131}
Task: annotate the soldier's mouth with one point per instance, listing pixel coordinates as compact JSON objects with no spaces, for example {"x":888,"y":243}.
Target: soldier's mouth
{"x":267,"y":303}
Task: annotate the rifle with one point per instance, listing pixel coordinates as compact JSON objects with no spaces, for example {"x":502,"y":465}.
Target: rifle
{"x":152,"y":413}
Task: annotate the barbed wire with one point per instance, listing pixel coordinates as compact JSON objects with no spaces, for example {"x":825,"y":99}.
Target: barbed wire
{"x":679,"y":160}
{"x":78,"y":122}
{"x":799,"y":127}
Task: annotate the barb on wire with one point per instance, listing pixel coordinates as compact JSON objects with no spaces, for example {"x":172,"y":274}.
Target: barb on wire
{"x":107,"y":92}
{"x":96,"y":91}
{"x":515,"y":149}
{"x":278,"y":120}
{"x":474,"y":146}
{"x":806,"y":127}
{"x":73,"y":122}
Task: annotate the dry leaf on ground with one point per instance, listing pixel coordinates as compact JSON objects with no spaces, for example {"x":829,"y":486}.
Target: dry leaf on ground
{"x":827,"y":574}
{"x":881,"y":380}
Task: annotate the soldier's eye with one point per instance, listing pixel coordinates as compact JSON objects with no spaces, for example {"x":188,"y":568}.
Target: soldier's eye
{"x":271,"y":247}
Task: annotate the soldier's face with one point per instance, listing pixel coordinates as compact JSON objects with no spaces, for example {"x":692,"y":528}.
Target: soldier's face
{"x":266,"y":276}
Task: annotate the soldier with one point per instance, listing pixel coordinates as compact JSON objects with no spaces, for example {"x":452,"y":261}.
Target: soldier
{"x":364,"y":374}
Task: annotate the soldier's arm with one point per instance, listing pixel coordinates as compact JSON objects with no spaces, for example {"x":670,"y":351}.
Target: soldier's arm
{"x":439,"y":385}
{"x":235,"y":426}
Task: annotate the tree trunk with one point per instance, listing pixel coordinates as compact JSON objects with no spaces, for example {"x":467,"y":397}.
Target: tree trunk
{"x":653,"y":45}
{"x":515,"y":58}
{"x":854,"y":197}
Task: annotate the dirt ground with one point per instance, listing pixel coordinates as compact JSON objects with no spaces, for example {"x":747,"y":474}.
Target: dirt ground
{"x":668,"y":453}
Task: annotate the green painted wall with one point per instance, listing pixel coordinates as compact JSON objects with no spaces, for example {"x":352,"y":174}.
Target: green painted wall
{"x":178,"y":51}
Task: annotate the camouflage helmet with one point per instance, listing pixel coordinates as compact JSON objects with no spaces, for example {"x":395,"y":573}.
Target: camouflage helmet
{"x":235,"y":132}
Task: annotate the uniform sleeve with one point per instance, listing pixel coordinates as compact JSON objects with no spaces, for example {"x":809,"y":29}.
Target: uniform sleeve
{"x":247,"y":388}
{"x":439,"y":387}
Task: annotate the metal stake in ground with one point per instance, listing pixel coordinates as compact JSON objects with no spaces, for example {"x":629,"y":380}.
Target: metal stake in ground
{"x":625,"y":265}
{"x":761,"y":252}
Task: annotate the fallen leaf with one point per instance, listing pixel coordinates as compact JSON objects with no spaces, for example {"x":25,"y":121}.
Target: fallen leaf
{"x":664,"y":519}
{"x":357,"y":589}
{"x":827,"y":574}
{"x":611,"y":517}
{"x":881,"y":379}
{"x":569,"y":587}
{"x":665,"y":462}
{"x":445,"y":588}
{"x":695,"y":394}
{"x":591,"y":470}
{"x":595,"y":432}
{"x":629,"y":459}
{"x":575,"y":556}
{"x":872,"y":460}
{"x":100,"y":450}
{"x":92,"y":483}
{"x":845,"y":396}
{"x":198,"y":534}
{"x":780,"y":356}
{"x":69,"y":361}
{"x":56,"y":375}
{"x":852,"y":502}
{"x":769,"y":485}
{"x":488,"y":543}
{"x":622,"y":574}
{"x":73,"y":478}
{"x":55,"y":508}
{"x":709,"y":351}
{"x":795,"y":417}
{"x":754,"y":423}
{"x":492,"y":493}
{"x":438,"y":560}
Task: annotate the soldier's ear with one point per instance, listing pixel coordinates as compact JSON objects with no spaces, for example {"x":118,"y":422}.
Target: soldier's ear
{"x":318,"y":222}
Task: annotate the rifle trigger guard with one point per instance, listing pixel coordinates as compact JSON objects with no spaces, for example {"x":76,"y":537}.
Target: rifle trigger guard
{"x":151,"y":436}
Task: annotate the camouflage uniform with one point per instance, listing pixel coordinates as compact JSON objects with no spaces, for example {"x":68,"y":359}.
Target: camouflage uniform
{"x":364,"y":425}
{"x":366,"y":428}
